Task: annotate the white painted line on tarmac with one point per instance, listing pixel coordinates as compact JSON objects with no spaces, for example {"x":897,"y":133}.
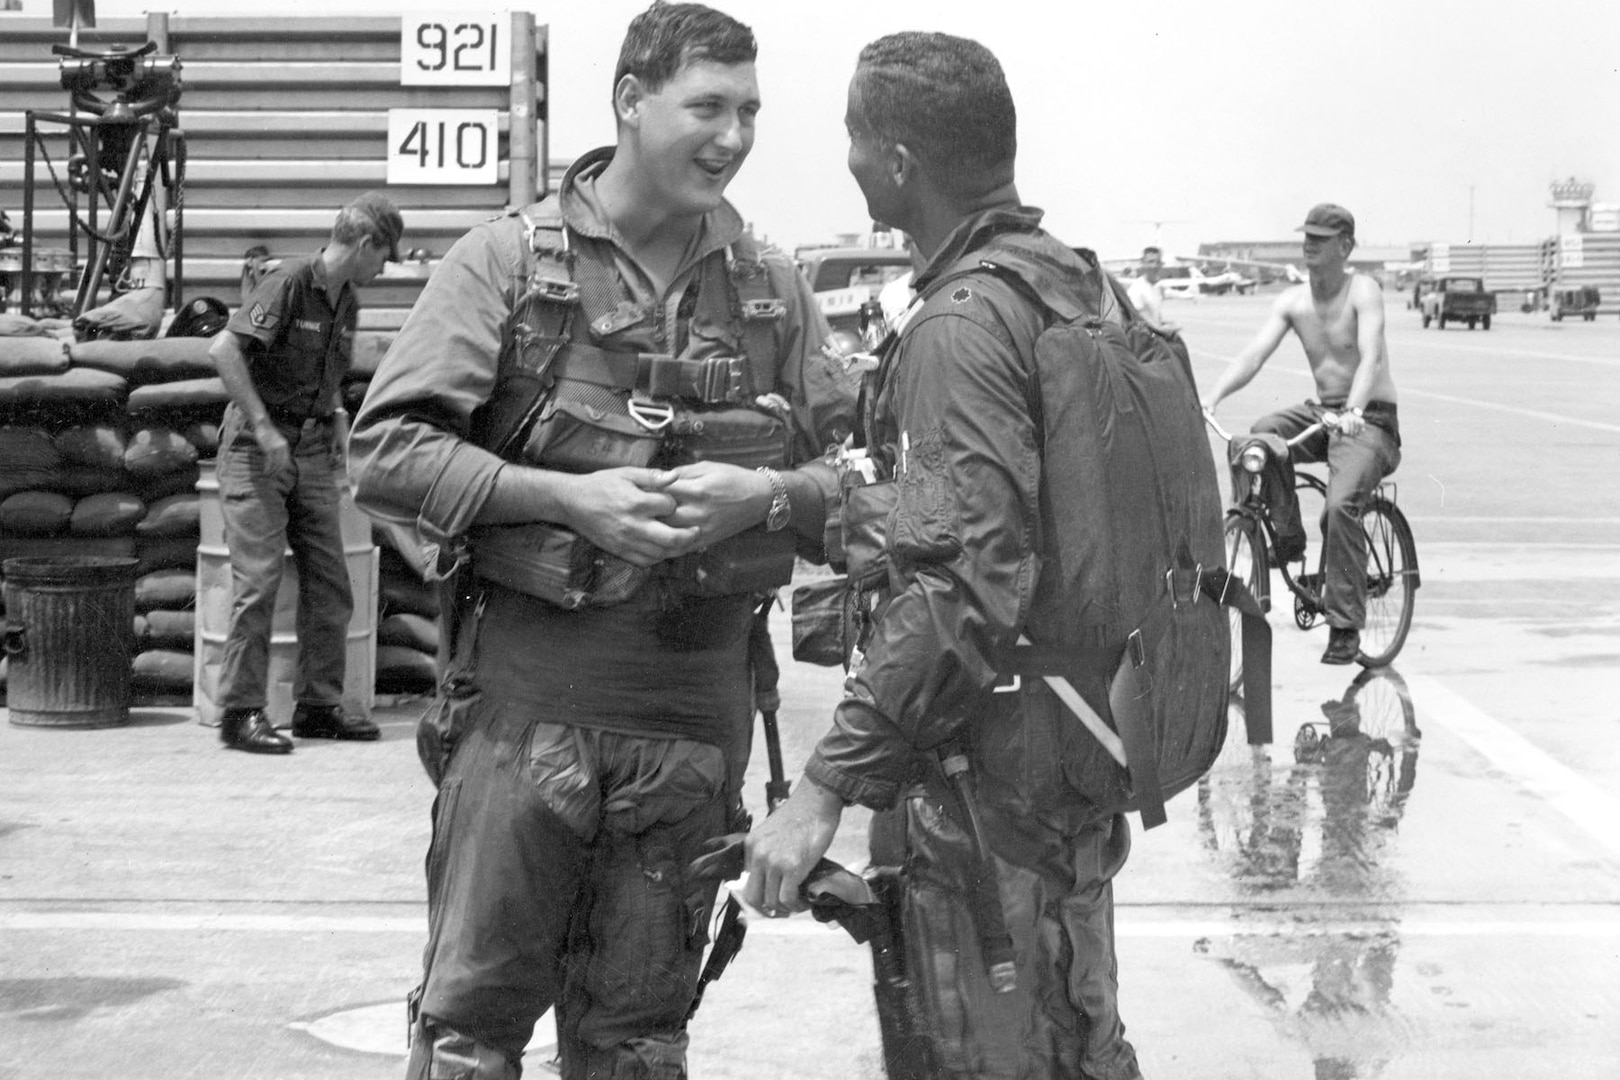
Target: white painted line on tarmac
{"x":1528,"y":354}
{"x":1533,"y":414}
{"x":1128,"y":924}
{"x":1583,"y":802}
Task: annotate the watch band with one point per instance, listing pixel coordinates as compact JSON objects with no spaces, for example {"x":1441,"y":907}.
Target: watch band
{"x":776,"y":517}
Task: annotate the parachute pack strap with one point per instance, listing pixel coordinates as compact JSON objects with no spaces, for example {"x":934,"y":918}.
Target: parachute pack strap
{"x":1068,"y":695}
{"x":1230,"y":591}
{"x":760,"y":311}
{"x":552,"y":295}
{"x":1130,"y":700}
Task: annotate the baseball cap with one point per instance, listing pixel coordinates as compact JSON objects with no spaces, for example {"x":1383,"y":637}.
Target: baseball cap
{"x":378,"y":212}
{"x":1328,"y":219}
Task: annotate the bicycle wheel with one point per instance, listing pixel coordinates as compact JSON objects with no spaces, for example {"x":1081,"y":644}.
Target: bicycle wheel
{"x":1246,"y":561}
{"x":1392,"y":580}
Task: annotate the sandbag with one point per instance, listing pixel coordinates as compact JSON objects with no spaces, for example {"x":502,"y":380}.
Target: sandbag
{"x":404,"y":671}
{"x":160,"y":629}
{"x":185,"y":394}
{"x":156,"y":450}
{"x":172,"y":515}
{"x":159,"y":360}
{"x":161,"y":669}
{"x":204,"y":435}
{"x":407,"y":596}
{"x":35,"y":513}
{"x":75,"y":386}
{"x":152,"y":489}
{"x":33,"y":355}
{"x":169,"y":589}
{"x":411,"y":632}
{"x":82,"y":481}
{"x":111,"y":513}
{"x":98,"y":445}
{"x":28,"y":459}
{"x":166,"y":552}
{"x":13,"y":325}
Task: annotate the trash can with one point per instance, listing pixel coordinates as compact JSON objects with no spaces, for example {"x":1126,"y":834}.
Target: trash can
{"x":69,"y":632}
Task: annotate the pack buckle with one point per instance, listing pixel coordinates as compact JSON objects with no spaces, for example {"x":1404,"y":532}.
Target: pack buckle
{"x":557,"y":290}
{"x":655,"y":416}
{"x":768,"y":310}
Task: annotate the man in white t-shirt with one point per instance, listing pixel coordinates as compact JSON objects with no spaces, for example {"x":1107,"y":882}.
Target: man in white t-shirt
{"x":1145,"y":293}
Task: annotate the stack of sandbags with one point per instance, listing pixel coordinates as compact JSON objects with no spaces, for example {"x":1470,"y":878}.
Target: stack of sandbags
{"x":99,"y":449}
{"x":407,"y":615}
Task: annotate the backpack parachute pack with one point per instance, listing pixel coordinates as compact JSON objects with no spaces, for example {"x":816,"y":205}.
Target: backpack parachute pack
{"x":1133,"y":595}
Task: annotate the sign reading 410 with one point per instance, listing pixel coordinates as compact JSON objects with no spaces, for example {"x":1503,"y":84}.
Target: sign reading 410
{"x":443,"y":146}
{"x":446,"y":49}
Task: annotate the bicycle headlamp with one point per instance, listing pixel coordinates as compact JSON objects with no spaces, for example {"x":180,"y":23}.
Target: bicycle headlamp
{"x":1253,"y":458}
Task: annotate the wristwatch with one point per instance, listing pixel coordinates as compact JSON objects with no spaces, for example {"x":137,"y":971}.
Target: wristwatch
{"x":777,"y":516}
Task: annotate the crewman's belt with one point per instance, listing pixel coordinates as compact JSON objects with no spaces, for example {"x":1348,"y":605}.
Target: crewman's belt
{"x":712,"y":381}
{"x":292,"y":417}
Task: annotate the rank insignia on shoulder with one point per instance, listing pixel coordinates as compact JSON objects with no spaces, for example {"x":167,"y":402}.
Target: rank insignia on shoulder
{"x":261,"y":318}
{"x":962,"y":295}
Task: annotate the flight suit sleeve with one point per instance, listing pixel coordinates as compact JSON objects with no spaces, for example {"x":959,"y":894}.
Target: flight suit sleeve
{"x":409,"y":453}
{"x":822,"y":387}
{"x":962,"y":540}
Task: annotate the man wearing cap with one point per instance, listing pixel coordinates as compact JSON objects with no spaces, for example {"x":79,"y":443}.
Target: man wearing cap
{"x":282,"y":357}
{"x":1338,"y":316}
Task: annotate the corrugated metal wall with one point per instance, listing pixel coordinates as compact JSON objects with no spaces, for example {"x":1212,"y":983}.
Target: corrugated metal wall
{"x":1505,"y":267}
{"x":285,"y":121}
{"x":1588,"y":259}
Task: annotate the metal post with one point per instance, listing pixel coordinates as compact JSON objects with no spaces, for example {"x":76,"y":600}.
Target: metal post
{"x":520,"y":139}
{"x":26,"y":279}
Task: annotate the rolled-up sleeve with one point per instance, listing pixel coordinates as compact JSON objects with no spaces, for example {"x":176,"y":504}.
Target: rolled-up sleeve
{"x":962,"y":539}
{"x":409,"y":455}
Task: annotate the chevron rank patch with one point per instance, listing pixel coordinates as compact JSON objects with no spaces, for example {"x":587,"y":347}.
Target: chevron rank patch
{"x":261,"y":318}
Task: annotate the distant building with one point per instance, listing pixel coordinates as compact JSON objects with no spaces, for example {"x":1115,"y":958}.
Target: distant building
{"x":1366,"y":257}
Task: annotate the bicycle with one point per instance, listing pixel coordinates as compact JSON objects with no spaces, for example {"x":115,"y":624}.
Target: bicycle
{"x":1251,"y":541}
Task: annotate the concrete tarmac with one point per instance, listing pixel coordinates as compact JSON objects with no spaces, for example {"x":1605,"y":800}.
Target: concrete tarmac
{"x":1430,"y":889}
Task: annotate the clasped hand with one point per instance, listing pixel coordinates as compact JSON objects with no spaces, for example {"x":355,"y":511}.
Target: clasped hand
{"x":645,"y":516}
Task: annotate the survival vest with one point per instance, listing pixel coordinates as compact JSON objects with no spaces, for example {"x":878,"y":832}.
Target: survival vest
{"x":1132,"y":618}
{"x":565,"y":398}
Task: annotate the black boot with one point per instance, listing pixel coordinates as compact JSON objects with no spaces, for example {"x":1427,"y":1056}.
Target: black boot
{"x":1344,"y":645}
{"x":330,"y":722}
{"x":250,"y":730}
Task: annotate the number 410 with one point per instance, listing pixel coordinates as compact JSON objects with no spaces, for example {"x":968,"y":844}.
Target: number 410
{"x":427,"y":142}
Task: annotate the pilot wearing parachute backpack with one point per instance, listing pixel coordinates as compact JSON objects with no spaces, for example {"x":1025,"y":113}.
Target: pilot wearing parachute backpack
{"x":1037,"y":616}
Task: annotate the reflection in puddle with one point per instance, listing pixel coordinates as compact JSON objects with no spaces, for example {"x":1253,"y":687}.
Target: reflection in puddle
{"x":1317,"y":825}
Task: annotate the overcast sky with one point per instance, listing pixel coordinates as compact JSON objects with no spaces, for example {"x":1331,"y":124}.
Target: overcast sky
{"x":1201,"y":119}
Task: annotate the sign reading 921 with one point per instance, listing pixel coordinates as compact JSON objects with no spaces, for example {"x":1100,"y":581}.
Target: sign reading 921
{"x":443,"y":146}
{"x":472,"y":49}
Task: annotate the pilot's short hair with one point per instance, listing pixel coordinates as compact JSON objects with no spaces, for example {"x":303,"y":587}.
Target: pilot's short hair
{"x":945,"y":99}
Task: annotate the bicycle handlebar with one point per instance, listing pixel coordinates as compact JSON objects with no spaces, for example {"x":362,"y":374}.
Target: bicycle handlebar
{"x":1329,"y":420}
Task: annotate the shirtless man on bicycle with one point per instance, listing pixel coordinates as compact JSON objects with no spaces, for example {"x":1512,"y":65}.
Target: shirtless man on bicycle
{"x":1338,"y":316}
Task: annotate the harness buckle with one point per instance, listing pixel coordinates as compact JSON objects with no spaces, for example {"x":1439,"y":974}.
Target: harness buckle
{"x":557,"y":290}
{"x":1013,"y":687}
{"x":1135,"y":649}
{"x":769,"y":309}
{"x":723,"y":379}
{"x":655,"y":416}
